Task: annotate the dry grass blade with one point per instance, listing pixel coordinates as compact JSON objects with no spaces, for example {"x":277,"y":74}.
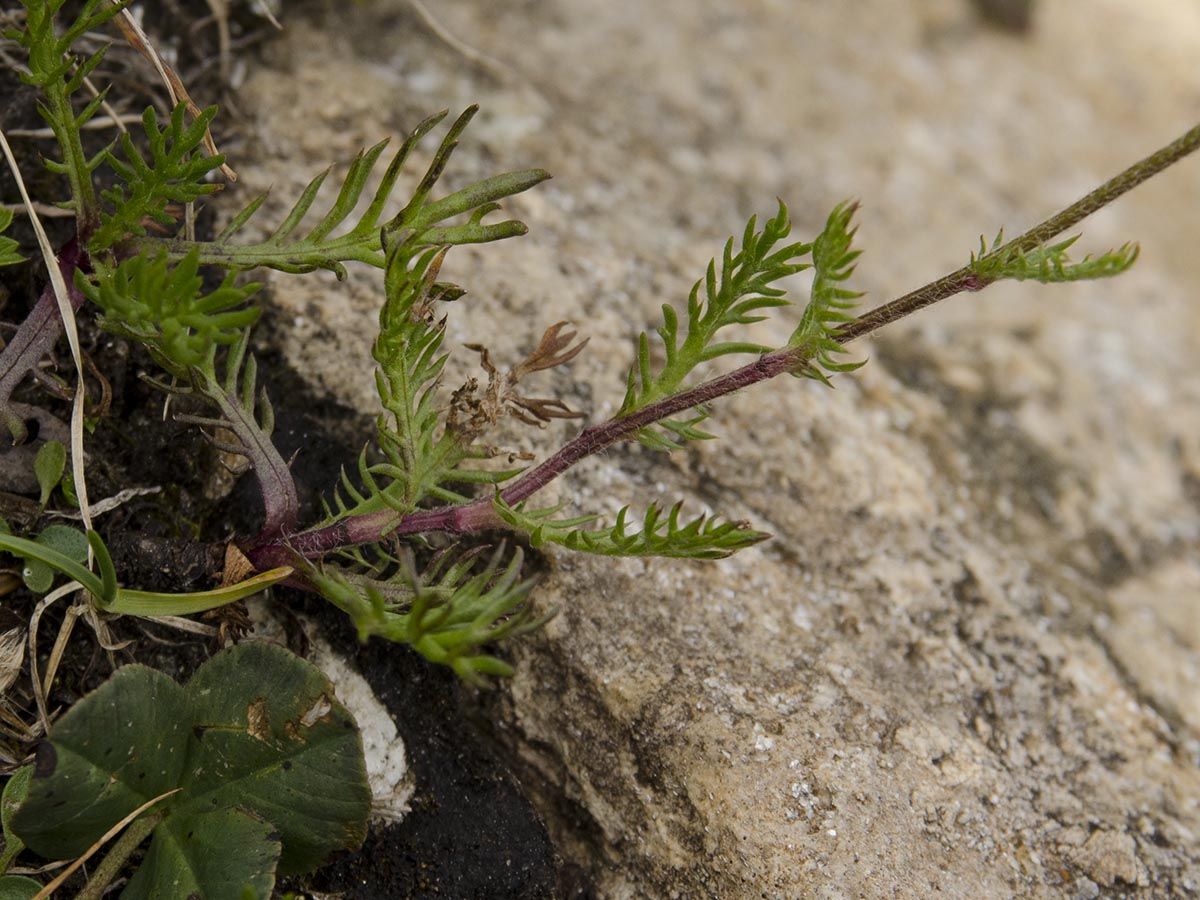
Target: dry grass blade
{"x":103,"y":634}
{"x":60,"y":644}
{"x":62,"y":295}
{"x":44,"y":210}
{"x":182,"y":624}
{"x":138,"y":40}
{"x":104,"y":839}
{"x":493,"y":66}
{"x":220,"y":14}
{"x":108,"y":504}
{"x":16,"y":735}
{"x":117,"y":119}
{"x":39,"y":692}
{"x":12,"y":656}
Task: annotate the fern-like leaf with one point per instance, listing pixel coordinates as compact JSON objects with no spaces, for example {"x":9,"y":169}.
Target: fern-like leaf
{"x":1049,"y":263}
{"x":448,"y":613}
{"x":830,"y":302}
{"x":730,"y":294}
{"x":58,"y":73}
{"x":660,"y":533}
{"x":174,"y":174}
{"x":423,"y":454}
{"x":9,"y":249}
{"x":163,"y":305}
{"x":410,"y":359}
{"x":287,"y":250}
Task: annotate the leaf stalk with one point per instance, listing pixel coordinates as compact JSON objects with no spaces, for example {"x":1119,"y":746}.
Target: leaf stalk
{"x":480,"y":515}
{"x":966,"y":278}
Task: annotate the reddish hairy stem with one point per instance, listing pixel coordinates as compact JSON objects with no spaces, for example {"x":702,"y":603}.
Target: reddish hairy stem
{"x":37,"y":334}
{"x":480,"y":514}
{"x":275,"y":482}
{"x":966,"y":280}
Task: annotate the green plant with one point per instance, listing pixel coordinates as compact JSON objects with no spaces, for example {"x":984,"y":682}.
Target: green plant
{"x":63,"y":549}
{"x":429,"y":470}
{"x":252,"y":768}
{"x":14,"y":887}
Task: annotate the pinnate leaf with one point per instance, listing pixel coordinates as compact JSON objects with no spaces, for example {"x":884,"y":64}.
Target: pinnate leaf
{"x":830,"y":301}
{"x":174,"y":174}
{"x":1049,"y":263}
{"x":162,"y":304}
{"x":730,"y":293}
{"x":9,"y":249}
{"x":327,"y":244}
{"x":660,"y":533}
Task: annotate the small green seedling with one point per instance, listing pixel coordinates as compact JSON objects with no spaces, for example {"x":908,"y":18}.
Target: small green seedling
{"x":253,"y":768}
{"x":431,"y":468}
{"x":49,"y":466}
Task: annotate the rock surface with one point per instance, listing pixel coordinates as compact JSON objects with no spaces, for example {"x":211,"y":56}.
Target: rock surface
{"x":968,"y":663}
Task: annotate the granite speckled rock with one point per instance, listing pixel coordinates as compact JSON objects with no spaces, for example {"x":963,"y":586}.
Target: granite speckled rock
{"x":968,"y":663}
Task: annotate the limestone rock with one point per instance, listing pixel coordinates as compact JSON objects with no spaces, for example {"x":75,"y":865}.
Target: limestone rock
{"x":967,"y":664}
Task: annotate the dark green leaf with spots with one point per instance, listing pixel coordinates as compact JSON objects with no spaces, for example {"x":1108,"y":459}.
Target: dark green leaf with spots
{"x":121,"y":745}
{"x":268,"y":764}
{"x":272,"y":738}
{"x":18,"y":887}
{"x":226,"y":853}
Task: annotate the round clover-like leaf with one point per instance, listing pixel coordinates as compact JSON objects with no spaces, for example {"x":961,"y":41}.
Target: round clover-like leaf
{"x":268,"y":766}
{"x":71,"y":542}
{"x":272,"y":738}
{"x":121,"y":745}
{"x":224,"y":853}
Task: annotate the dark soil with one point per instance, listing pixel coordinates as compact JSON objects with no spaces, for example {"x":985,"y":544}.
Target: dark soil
{"x":472,"y":832}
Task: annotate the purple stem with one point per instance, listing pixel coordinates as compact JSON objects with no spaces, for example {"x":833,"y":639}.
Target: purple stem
{"x":35,"y":337}
{"x":275,"y":482}
{"x":480,"y":514}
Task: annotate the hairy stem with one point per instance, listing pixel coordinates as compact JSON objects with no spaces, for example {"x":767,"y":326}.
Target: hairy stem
{"x":480,"y":514}
{"x":238,"y":257}
{"x":36,"y":335}
{"x":75,"y":161}
{"x":275,"y":480}
{"x":965,"y":279}
{"x":116,"y":858}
